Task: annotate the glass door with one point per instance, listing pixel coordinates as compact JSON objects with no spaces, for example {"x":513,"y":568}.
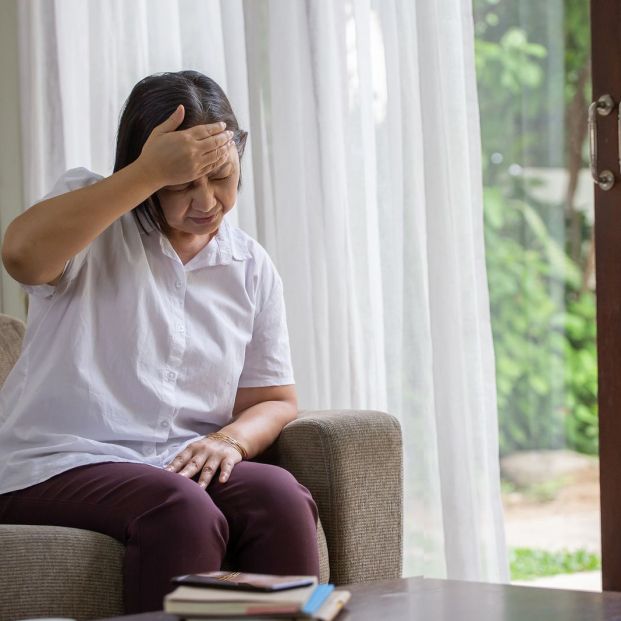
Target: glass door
{"x":533,"y":73}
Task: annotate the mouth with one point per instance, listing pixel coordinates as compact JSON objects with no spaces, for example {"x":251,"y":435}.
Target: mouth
{"x":208,"y":219}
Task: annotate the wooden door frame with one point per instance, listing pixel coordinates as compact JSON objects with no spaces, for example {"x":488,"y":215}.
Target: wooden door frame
{"x":606,"y":72}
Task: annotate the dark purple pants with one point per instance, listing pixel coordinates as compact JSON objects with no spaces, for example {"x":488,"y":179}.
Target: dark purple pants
{"x":262,"y":518}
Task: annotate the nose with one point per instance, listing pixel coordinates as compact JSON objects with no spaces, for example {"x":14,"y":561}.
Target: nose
{"x":203,"y":196}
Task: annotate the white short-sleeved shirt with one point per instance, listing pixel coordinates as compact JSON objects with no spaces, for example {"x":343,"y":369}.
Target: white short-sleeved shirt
{"x":133,"y":355}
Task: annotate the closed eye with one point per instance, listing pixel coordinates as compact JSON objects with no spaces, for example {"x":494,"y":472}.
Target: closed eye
{"x":187,"y":187}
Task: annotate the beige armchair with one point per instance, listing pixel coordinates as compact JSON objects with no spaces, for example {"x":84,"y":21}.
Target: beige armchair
{"x":350,"y":461}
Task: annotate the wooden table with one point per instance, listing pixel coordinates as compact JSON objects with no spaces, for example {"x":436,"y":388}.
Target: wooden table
{"x":411,"y":599}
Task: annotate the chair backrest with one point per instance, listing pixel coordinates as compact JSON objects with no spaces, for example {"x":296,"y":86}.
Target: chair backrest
{"x":11,"y":335}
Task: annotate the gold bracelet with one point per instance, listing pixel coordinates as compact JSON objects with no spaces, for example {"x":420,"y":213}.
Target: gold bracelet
{"x":234,"y":443}
{"x":217,"y":435}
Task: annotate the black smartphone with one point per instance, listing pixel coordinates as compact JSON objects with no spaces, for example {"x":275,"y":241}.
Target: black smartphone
{"x":244,"y":581}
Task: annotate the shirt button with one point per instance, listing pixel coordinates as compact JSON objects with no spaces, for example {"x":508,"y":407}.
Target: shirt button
{"x":180,"y":327}
{"x":165,"y":424}
{"x":171,"y":375}
{"x":178,"y":284}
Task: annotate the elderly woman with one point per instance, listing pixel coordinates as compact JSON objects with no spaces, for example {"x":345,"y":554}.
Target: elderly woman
{"x":156,"y":358}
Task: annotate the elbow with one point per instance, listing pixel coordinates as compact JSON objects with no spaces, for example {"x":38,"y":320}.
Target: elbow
{"x":16,"y":263}
{"x":16,"y":269}
{"x":11,"y":257}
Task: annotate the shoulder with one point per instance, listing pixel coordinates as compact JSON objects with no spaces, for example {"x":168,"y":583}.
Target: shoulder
{"x":73,"y":179}
{"x":261,"y":273}
{"x":246,"y":248}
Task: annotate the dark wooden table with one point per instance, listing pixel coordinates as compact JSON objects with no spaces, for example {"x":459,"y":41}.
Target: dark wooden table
{"x":439,"y":600}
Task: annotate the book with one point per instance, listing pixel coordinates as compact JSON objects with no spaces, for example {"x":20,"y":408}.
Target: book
{"x":328,"y":611}
{"x":208,"y":601}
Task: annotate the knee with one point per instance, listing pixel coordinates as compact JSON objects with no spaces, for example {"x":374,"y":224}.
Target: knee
{"x":279,"y":489}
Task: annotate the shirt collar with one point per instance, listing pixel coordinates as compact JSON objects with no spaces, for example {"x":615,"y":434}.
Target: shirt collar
{"x":227,"y":245}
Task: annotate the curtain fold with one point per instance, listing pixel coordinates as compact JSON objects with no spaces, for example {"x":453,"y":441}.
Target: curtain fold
{"x":362,"y":179}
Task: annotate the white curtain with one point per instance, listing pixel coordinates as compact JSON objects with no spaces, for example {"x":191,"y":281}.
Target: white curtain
{"x":363,"y":181}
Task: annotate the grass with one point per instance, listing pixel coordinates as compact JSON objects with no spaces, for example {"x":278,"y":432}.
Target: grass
{"x":528,"y":563}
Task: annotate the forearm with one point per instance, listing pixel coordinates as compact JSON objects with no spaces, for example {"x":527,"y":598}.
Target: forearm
{"x":39,"y":242}
{"x":258,"y":426}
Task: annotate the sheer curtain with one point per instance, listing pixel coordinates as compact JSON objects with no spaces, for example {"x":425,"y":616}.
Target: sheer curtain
{"x":362,"y":180}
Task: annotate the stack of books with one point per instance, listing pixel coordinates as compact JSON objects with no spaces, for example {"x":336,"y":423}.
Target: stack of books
{"x":256,"y":596}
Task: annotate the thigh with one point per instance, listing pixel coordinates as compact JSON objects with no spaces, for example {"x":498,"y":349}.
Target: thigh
{"x":104,"y":497}
{"x":255,"y":486}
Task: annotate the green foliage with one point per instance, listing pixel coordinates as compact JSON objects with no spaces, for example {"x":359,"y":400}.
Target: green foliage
{"x":545,"y":354}
{"x":577,"y":43}
{"x":509,"y":63}
{"x":543,"y":317}
{"x":527,"y":563}
{"x":581,"y":375}
{"x":544,"y":333}
{"x":509,"y":68}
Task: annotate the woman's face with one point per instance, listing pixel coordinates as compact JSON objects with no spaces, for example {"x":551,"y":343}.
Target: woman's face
{"x":196,"y":209}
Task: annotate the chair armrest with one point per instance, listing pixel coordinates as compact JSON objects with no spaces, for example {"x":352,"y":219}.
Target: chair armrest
{"x":351,"y":462}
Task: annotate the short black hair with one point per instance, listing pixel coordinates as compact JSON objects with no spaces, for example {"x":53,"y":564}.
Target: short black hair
{"x":151,"y":102}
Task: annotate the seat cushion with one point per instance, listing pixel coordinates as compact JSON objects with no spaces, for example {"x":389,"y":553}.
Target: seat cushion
{"x":70,"y":572}
{"x":59,"y":571}
{"x":11,"y":335}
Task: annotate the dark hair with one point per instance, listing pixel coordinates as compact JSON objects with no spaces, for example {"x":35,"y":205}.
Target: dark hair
{"x":151,"y":102}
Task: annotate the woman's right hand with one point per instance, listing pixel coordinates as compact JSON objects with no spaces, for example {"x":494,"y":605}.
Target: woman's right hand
{"x":176,"y":157}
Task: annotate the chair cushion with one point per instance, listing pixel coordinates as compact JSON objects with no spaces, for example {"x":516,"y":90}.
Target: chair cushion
{"x":59,"y":571}
{"x":70,"y":572}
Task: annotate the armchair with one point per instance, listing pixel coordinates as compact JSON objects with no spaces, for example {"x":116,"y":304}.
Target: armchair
{"x":350,"y":461}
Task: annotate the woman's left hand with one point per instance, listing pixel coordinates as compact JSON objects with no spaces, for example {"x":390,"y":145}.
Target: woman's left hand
{"x":208,"y":454}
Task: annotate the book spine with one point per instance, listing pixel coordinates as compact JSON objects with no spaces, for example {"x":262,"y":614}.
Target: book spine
{"x":318,"y":597}
{"x":333,"y":605}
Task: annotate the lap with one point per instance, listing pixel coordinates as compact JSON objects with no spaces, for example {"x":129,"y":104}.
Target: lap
{"x":103,"y":497}
{"x":254,"y":483}
{"x":106,"y":496}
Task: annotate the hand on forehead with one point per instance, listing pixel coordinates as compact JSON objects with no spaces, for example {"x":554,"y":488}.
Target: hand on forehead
{"x":233,"y":156}
{"x":226,"y":168}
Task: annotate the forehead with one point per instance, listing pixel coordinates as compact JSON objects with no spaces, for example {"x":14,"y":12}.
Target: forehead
{"x":228,"y":166}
